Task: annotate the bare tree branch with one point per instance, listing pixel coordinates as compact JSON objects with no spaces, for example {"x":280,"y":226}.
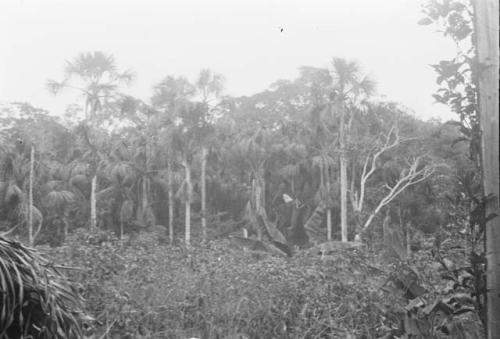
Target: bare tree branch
{"x":369,"y":167}
{"x":411,"y":177}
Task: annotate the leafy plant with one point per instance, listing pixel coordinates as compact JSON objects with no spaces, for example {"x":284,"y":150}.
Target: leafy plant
{"x":36,"y":300}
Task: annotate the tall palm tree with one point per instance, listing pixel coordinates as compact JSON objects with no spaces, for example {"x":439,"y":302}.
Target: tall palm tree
{"x":170,"y":95}
{"x":98,"y":80}
{"x":171,"y":91}
{"x":209,"y":86}
{"x":349,"y":88}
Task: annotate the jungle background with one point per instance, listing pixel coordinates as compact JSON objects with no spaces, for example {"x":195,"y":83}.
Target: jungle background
{"x":309,"y":210}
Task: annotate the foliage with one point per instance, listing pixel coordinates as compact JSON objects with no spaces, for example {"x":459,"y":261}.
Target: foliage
{"x":138,"y":289}
{"x":271,"y":166}
{"x":36,"y":300}
{"x":458,"y":81}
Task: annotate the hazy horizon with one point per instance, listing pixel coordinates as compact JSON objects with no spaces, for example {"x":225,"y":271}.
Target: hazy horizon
{"x":242,"y":40}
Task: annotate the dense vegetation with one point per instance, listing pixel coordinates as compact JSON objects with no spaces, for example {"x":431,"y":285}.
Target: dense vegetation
{"x":196,"y":214}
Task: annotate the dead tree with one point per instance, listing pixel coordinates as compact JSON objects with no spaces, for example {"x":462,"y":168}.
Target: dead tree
{"x":416,"y":172}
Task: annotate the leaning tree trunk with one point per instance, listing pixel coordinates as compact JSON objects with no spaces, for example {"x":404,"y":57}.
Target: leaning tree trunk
{"x":93,"y":204}
{"x":486,"y":24}
{"x":187,"y":166}
{"x":30,"y":197}
{"x":170,"y":204}
{"x":203,"y":194}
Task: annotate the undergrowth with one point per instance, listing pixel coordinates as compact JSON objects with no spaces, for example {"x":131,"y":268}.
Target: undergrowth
{"x":142,"y":289}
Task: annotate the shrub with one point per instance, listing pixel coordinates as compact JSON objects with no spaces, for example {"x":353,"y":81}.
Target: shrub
{"x":137,"y":288}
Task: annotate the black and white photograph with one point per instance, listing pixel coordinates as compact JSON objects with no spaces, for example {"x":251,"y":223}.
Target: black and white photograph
{"x":249,"y":169}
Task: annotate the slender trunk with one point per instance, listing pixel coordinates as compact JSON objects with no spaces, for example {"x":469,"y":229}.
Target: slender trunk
{"x":65,"y":223}
{"x":93,"y":204}
{"x":329,"y":224}
{"x":407,"y":231}
{"x":328,"y":207}
{"x":145,"y":181}
{"x":408,"y":240}
{"x":343,"y":180}
{"x":486,"y":27}
{"x":203,"y":194}
{"x":188,"y":203}
{"x":30,"y":197}
{"x":145,"y":199}
{"x":170,"y":205}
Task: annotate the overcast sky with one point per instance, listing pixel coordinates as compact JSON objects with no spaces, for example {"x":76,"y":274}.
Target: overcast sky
{"x":241,"y":39}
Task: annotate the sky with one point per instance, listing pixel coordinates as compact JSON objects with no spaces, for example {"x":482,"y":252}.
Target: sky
{"x":252,"y":43}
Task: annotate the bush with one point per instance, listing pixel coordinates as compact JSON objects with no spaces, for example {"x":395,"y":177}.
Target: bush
{"x":137,"y":288}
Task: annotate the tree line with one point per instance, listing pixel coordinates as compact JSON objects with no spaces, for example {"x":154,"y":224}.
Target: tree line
{"x":308,"y":160}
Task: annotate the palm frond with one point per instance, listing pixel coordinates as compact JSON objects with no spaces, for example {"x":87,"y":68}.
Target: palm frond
{"x":121,"y":172}
{"x":107,"y":192}
{"x":90,"y":65}
{"x":58,"y":198}
{"x":36,"y":301}
{"x":79,"y":181}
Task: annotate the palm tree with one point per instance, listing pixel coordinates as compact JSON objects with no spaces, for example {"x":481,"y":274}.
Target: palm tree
{"x":259,"y":151}
{"x":60,"y":193}
{"x":209,"y":86}
{"x":15,"y":167}
{"x":98,"y":81}
{"x":325,"y":164}
{"x":122,"y":176}
{"x":349,"y":88}
{"x":171,"y":91}
{"x":170,"y":95}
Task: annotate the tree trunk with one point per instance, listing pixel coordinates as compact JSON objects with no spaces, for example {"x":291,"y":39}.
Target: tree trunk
{"x":343,"y":179}
{"x":343,"y":196}
{"x":65,"y":222}
{"x":328,"y":207}
{"x":93,"y":204}
{"x":187,"y":166}
{"x":145,"y":200}
{"x":170,"y":205}
{"x":204,"y":152}
{"x":259,"y":200}
{"x":30,"y":197}
{"x":486,"y":24}
{"x":408,"y":240}
{"x":145,"y":186}
{"x":329,"y":224}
